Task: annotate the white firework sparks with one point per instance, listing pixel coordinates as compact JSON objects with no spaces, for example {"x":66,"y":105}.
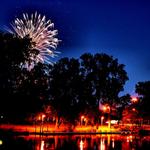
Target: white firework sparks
{"x":41,"y":32}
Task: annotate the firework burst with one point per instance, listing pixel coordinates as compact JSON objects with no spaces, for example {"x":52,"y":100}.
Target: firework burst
{"x":41,"y":32}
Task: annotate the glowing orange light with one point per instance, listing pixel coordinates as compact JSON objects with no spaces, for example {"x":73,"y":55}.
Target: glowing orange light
{"x":108,"y":107}
{"x":134,"y":99}
{"x":1,"y":142}
{"x":104,"y":108}
{"x":82,"y":117}
{"x":102,"y":117}
{"x":43,"y":116}
{"x":131,"y":138}
{"x":127,"y":139}
{"x":133,"y":109}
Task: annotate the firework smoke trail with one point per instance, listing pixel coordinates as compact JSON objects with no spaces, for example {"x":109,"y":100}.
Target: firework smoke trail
{"x":42,"y":34}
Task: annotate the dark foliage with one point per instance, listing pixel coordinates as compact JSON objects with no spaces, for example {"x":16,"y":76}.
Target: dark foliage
{"x":143,"y":89}
{"x":20,"y":89}
{"x":77,"y":85}
{"x":71,"y":86}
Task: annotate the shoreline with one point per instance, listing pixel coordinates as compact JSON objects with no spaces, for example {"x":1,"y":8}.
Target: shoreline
{"x":27,"y":133}
{"x":51,"y":130}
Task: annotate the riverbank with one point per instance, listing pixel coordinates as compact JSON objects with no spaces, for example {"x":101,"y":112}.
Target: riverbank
{"x":53,"y":130}
{"x":64,"y":129}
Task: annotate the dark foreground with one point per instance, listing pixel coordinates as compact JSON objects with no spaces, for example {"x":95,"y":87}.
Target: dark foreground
{"x":75,"y":142}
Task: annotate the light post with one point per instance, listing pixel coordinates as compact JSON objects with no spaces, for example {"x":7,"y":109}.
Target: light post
{"x":85,"y":120}
{"x":82,"y":118}
{"x":42,"y":119}
{"x":107,"y":109}
{"x":102,"y":118}
{"x":109,"y":120}
{"x":35,"y":124}
{"x":43,"y":116}
{"x":134,"y":101}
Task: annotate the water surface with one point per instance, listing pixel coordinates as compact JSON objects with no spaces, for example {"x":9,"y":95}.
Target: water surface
{"x":75,"y":142}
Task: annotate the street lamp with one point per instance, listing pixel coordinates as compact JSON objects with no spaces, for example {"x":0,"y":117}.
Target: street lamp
{"x":106,"y":109}
{"x":82,"y":118}
{"x":43,"y":116}
{"x":102,"y":118}
{"x":133,"y":109}
{"x":109,"y":120}
{"x":85,"y":120}
{"x":42,"y":119}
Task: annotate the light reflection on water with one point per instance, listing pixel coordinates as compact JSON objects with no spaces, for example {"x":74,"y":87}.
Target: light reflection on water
{"x":77,"y":142}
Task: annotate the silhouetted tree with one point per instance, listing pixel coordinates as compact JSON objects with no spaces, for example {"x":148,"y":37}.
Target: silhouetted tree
{"x":106,"y":76}
{"x":76,"y":84}
{"x":143,"y":88}
{"x":13,"y":53}
{"x":72,"y":85}
{"x":19,"y":87}
{"x":125,"y":101}
{"x":32,"y":91}
{"x":65,"y":87}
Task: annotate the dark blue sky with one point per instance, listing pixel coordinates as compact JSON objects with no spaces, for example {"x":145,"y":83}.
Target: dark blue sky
{"x":117,"y":27}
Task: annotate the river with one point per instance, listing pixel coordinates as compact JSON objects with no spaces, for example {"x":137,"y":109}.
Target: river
{"x":75,"y":142}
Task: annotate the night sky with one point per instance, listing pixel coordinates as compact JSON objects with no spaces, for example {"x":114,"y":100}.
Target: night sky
{"x":120,"y":28}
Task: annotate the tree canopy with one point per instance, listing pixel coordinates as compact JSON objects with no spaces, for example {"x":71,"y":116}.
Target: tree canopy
{"x":71,"y":86}
{"x":19,"y":87}
{"x":77,"y":84}
{"x":13,"y":52}
{"x":143,"y":88}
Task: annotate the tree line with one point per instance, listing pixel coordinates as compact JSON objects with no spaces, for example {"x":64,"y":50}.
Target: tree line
{"x":70,"y":87}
